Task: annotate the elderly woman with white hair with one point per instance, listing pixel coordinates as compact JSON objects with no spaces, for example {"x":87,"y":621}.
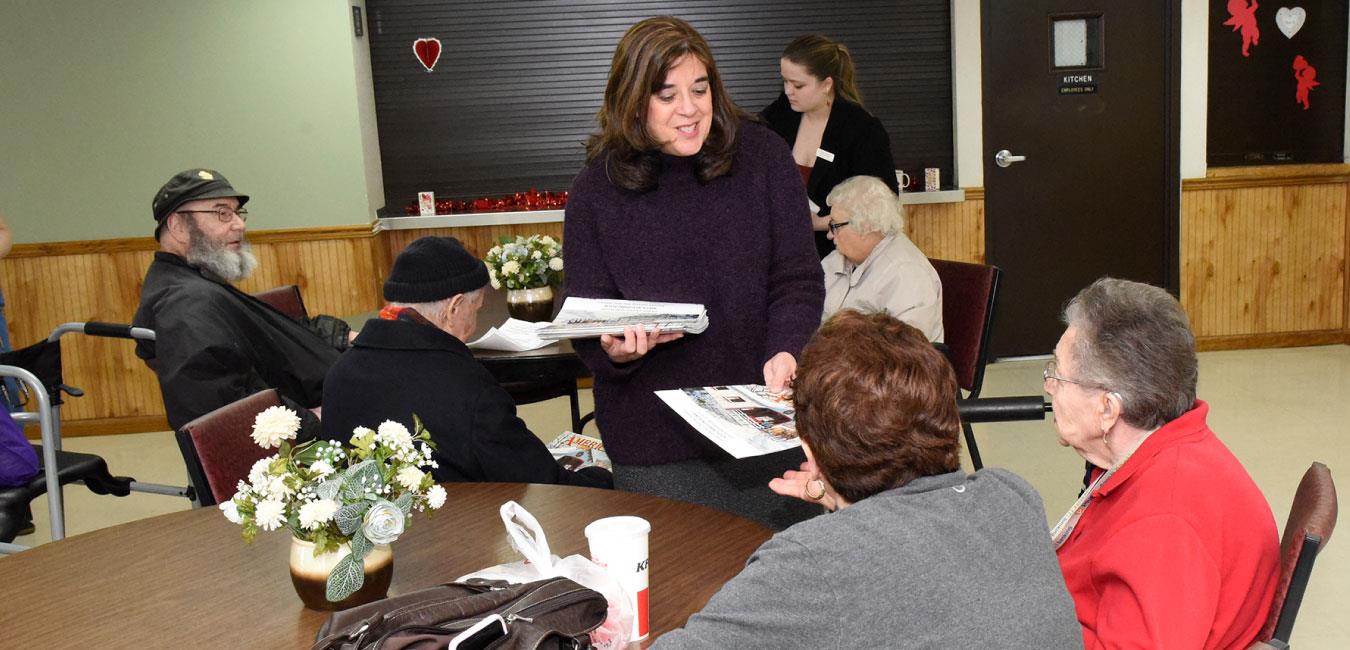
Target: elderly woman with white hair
{"x":875,"y":267}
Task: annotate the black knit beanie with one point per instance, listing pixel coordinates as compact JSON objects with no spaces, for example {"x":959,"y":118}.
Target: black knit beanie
{"x":434,"y":268}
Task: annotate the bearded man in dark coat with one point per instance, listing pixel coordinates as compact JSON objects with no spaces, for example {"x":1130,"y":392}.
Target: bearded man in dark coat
{"x":214,"y":343}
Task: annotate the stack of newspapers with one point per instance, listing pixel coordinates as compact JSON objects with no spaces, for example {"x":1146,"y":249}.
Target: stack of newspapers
{"x":590,"y":317}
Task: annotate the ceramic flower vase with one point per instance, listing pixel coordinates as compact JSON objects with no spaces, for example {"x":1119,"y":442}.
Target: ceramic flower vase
{"x":309,"y":574}
{"x":533,"y":305}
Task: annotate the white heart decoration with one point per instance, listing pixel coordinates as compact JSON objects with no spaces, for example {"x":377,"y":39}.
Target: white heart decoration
{"x":1290,"y":20}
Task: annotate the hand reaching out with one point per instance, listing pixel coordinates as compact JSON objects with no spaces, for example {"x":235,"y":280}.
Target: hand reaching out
{"x":779,"y":371}
{"x":806,"y":484}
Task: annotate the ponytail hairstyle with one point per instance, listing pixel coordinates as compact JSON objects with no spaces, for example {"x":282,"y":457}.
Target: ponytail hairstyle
{"x":643,"y":58}
{"x":826,"y":59}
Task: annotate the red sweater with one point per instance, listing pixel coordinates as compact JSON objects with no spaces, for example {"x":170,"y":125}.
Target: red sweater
{"x":1177,"y":550}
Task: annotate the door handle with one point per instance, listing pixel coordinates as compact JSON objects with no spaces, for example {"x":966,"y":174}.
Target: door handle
{"x":1005,"y":158}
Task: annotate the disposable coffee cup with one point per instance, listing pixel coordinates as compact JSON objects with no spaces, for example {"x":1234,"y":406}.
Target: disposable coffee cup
{"x":619,"y":544}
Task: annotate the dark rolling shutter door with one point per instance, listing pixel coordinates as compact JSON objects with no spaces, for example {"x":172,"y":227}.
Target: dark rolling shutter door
{"x":514,"y":94}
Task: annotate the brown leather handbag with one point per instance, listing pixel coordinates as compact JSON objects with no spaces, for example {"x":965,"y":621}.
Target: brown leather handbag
{"x":553,"y":614}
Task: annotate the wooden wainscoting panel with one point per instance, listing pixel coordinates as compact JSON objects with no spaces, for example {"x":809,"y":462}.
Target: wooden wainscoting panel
{"x":949,"y":231}
{"x":1266,"y":259}
{"x":476,"y":239}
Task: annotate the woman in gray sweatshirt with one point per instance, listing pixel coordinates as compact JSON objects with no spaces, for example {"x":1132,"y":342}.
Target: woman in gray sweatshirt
{"x":916,"y":553}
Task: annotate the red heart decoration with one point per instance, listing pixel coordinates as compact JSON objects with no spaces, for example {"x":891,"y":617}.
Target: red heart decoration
{"x":428,"y":51}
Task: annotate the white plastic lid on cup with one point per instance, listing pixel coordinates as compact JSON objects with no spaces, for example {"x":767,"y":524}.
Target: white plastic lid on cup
{"x":624,"y":526}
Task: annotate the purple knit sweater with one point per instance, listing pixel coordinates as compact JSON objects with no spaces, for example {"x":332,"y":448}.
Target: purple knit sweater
{"x":740,"y":245}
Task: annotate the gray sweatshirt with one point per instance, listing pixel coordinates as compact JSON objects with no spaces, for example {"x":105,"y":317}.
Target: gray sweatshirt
{"x":953,"y":561}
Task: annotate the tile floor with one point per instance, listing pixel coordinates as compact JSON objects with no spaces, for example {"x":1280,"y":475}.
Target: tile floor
{"x":1278,"y":410}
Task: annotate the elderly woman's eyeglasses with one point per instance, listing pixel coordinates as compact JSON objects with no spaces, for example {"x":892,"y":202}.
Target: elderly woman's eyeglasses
{"x":836,"y":225}
{"x":225,"y":215}
{"x":1051,"y":370}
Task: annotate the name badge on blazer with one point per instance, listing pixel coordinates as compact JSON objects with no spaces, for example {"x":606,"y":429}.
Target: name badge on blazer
{"x":824,"y":155}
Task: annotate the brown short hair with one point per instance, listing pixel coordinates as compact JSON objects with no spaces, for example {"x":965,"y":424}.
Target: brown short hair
{"x":826,"y":59}
{"x":643,"y":58}
{"x":877,"y":404}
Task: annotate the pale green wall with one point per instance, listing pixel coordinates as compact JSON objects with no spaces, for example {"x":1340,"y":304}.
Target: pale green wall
{"x":101,"y":102}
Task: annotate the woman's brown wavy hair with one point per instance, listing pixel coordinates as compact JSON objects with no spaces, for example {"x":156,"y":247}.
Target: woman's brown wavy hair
{"x":643,"y":58}
{"x":877,"y":404}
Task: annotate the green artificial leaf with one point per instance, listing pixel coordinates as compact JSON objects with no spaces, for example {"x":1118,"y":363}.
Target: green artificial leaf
{"x":404,"y":503}
{"x":358,"y":477}
{"x":306,"y":453}
{"x":349,"y":517}
{"x":361,"y":546}
{"x":346,"y":578}
{"x":328,"y":489}
{"x":364,"y":441}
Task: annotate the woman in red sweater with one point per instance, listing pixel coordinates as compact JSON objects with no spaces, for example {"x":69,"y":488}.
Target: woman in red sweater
{"x":1171,"y":545}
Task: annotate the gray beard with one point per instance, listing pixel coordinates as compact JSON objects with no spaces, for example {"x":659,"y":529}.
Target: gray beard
{"x":230,"y":266}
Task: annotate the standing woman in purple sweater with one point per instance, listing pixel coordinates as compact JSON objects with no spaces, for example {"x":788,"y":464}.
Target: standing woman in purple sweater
{"x":683,"y":199}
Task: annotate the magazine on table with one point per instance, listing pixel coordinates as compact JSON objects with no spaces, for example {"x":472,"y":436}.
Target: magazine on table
{"x":582,"y":318}
{"x":512,"y":336}
{"x":575,"y":451}
{"x":744,"y":420}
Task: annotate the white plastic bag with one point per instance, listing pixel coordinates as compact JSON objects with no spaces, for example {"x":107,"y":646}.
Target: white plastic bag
{"x":527,"y":537}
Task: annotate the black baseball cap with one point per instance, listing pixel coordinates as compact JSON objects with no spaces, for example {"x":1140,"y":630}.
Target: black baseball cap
{"x":190,"y":185}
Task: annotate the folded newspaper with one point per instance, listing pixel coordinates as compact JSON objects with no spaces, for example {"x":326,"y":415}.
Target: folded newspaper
{"x":513,"y":336}
{"x":582,"y":318}
{"x":575,"y":451}
{"x":744,"y":420}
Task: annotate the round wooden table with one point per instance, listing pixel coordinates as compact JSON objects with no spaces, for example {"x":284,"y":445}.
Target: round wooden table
{"x":187,"y":579}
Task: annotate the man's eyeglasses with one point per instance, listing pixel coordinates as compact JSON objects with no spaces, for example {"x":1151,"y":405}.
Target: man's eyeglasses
{"x":836,"y":225}
{"x":225,"y":215}
{"x":1051,"y":370}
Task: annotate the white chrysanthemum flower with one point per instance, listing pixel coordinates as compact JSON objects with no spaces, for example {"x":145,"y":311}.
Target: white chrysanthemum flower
{"x":536,"y":254}
{"x":274,"y":424}
{"x":315,"y":514}
{"x":436,"y":497}
{"x":547,"y":240}
{"x":495,"y":250}
{"x":321,"y":467}
{"x":257,"y":475}
{"x":270,"y":514}
{"x":410,"y":477}
{"x":277,"y":488}
{"x":394,"y":434}
{"x":556,"y":264}
{"x":511,"y":267}
{"x":231,"y":510}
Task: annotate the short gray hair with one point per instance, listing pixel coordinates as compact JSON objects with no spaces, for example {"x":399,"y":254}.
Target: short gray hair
{"x":1134,"y":339}
{"x":426,"y":308}
{"x":871,"y":205}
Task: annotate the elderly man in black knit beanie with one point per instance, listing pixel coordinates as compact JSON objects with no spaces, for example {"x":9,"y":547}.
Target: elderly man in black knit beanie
{"x":413,"y":360}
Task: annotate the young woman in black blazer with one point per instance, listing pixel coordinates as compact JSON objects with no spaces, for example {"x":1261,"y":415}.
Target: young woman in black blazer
{"x":820,"y":114}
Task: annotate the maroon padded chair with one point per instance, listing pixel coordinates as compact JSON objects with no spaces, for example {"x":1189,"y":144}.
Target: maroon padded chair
{"x":218,"y":447}
{"x":969,"y":294}
{"x":285,"y":299}
{"x":1312,"y":518}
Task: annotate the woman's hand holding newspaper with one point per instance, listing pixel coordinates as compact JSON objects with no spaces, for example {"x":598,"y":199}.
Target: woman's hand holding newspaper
{"x":635,"y":342}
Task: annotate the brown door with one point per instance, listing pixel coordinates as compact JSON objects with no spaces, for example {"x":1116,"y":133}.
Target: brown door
{"x":1086,"y":93}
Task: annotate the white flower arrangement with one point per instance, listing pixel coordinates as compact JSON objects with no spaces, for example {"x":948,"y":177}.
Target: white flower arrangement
{"x":332,"y":495}
{"x":525,"y":262}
